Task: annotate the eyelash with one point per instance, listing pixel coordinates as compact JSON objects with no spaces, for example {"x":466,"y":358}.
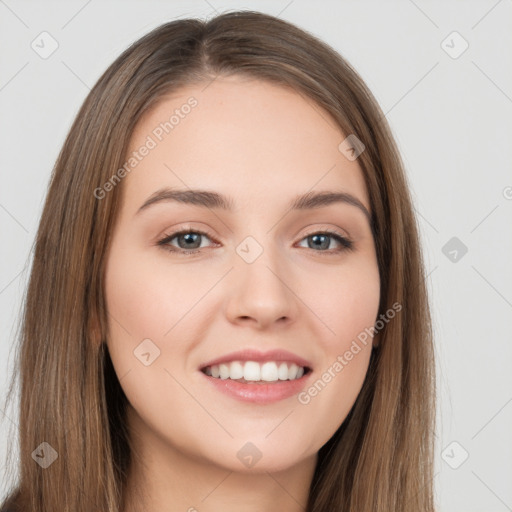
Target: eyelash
{"x":346,"y":244}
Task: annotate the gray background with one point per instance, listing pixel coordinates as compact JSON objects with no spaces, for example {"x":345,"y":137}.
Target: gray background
{"x":451,"y":118}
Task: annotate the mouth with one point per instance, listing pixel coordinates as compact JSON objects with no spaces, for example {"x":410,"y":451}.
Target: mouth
{"x":255,"y":372}
{"x":261,"y":378}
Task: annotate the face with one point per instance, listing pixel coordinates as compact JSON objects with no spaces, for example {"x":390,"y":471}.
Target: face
{"x":259,"y":276}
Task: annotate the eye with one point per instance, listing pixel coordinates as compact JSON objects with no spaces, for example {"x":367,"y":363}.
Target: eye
{"x":320,"y":239}
{"x":187,"y":240}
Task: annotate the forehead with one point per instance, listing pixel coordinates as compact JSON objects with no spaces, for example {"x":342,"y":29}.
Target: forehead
{"x":251,"y":139}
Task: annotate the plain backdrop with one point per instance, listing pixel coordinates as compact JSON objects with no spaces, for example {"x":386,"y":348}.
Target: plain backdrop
{"x":450,"y":109}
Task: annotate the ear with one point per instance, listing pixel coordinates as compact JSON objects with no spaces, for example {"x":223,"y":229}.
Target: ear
{"x":376,"y":340}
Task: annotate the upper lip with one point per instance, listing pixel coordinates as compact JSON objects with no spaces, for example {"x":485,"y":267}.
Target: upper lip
{"x":256,"y":355}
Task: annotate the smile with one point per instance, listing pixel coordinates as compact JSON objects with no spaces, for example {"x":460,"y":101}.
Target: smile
{"x":253,"y":371}
{"x":250,"y":375}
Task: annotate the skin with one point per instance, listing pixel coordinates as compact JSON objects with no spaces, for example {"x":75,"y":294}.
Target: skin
{"x":261,"y":144}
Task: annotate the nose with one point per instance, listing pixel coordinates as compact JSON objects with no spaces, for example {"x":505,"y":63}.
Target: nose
{"x":261,"y":292}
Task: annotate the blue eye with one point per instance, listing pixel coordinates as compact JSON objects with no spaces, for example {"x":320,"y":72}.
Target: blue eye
{"x":319,"y":238}
{"x":189,"y":237}
{"x":192,"y":239}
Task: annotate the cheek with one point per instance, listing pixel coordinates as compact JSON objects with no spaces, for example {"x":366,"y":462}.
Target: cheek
{"x":134,"y":301}
{"x":346,"y":300}
{"x":147,"y":297}
{"x":150,"y":298}
{"x":138,"y":310}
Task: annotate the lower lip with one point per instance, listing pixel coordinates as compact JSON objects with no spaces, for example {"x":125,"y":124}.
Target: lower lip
{"x":259,"y":393}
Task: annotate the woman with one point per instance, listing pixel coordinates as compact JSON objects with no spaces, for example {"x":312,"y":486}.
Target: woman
{"x":248,"y":372}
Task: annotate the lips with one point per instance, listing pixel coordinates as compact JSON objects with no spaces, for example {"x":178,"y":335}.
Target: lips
{"x":264,"y":388}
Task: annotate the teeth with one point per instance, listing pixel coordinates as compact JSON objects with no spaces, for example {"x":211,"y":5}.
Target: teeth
{"x":224,"y":371}
{"x":294,"y":372}
{"x":252,"y":371}
{"x":282,"y":371}
{"x":236,"y":370}
{"x":269,"y":371}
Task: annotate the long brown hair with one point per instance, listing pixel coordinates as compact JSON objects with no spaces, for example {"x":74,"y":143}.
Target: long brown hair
{"x":381,"y":457}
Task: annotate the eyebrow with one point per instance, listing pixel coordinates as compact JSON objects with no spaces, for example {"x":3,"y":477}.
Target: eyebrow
{"x":214,"y":200}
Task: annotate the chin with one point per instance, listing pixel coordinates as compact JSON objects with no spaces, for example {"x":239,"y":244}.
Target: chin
{"x":259,"y":457}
